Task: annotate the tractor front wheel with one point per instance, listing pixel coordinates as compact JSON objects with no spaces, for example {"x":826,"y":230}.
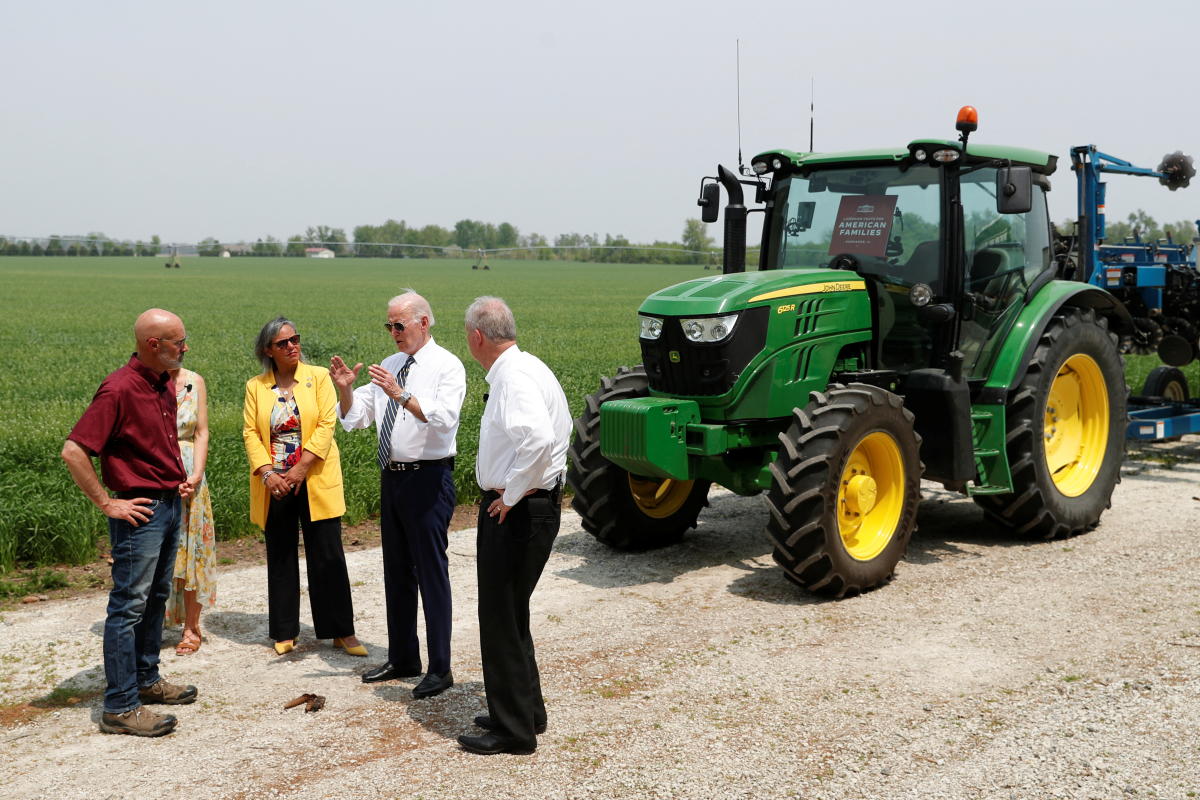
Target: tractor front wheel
{"x":844,"y":491}
{"x":1066,"y":431}
{"x":623,"y":510}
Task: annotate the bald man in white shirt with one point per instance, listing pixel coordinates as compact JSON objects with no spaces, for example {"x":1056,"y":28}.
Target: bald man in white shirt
{"x":523,"y":440}
{"x":414,"y":397}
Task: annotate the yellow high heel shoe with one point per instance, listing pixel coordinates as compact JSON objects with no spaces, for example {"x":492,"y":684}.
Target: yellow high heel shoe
{"x":356,"y":650}
{"x":283,"y":648}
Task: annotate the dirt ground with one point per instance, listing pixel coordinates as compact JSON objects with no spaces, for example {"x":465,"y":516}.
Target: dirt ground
{"x":989,"y":668}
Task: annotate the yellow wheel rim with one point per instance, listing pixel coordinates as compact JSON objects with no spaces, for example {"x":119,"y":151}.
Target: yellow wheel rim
{"x":1076,"y":425}
{"x":871,"y":496}
{"x":659,"y":498}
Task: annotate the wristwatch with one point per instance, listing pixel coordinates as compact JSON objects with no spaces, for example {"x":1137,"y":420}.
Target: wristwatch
{"x":405,"y":396}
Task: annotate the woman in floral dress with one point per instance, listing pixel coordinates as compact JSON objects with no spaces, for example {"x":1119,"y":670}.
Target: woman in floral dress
{"x":195,"y":583}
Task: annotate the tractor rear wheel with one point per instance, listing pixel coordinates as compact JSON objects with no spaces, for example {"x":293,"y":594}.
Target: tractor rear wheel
{"x":1066,"y":431}
{"x":1168,"y":383}
{"x":623,"y":510}
{"x":844,"y":491}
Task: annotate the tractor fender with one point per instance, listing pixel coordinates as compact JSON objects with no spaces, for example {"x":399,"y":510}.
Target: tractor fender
{"x":1023,"y":337}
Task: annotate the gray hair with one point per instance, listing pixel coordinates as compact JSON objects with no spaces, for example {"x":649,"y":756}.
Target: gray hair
{"x":492,"y":317}
{"x":414,"y":302}
{"x":266,"y":337}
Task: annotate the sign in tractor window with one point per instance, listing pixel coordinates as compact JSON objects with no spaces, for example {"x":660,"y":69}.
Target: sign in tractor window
{"x":863,"y":225}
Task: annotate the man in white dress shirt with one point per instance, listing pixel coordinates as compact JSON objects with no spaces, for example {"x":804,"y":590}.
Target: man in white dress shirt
{"x":523,"y":439}
{"x":414,"y":398}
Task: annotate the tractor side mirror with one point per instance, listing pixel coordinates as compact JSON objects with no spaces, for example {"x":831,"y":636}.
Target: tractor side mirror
{"x":1014,"y":190}
{"x":710,"y":196}
{"x":804,"y":214}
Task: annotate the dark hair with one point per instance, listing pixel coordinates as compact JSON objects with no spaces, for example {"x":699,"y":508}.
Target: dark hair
{"x":266,"y":337}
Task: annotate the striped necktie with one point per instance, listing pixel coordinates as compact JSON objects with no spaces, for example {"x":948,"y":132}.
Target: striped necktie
{"x":389,"y":418}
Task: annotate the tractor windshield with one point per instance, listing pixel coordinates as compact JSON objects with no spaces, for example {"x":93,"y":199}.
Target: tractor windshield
{"x":885,"y":218}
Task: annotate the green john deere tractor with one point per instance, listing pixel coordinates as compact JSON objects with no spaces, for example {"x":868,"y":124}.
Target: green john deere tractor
{"x":907,"y":320}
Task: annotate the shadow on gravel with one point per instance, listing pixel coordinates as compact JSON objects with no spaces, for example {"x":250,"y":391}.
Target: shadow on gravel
{"x":447,"y":715}
{"x":730,"y":533}
{"x":242,"y":628}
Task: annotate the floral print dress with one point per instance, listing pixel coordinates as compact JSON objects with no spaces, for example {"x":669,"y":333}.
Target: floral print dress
{"x":196,"y":558}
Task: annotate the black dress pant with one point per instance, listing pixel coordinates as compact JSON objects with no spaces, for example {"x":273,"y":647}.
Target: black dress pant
{"x":511,"y":557}
{"x":328,"y":581}
{"x":415,"y":511}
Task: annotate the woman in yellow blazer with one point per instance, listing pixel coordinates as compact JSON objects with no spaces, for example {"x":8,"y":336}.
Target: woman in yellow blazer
{"x":296,"y":481}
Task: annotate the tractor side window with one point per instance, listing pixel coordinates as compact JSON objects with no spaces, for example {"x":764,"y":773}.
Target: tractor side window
{"x":1004,"y":253}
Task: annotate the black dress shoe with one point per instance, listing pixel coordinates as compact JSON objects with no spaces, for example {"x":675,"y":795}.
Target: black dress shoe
{"x":389,"y":671}
{"x":485,"y":722}
{"x":490,"y":744}
{"x":433,"y":684}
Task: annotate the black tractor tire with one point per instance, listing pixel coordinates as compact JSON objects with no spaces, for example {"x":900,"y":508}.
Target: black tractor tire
{"x":1168,"y":383}
{"x":1067,"y":498}
{"x":825,"y":536}
{"x":622,"y":510}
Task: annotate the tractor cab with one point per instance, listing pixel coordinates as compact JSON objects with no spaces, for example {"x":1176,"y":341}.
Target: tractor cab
{"x":949,"y":236}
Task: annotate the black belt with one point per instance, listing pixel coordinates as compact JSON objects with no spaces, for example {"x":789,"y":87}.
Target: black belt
{"x":404,"y":466}
{"x":149,"y":494}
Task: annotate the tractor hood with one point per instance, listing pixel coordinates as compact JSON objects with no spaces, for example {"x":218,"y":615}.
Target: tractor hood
{"x":722,"y":294}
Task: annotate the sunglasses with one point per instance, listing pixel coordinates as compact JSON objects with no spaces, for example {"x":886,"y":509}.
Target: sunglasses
{"x":282,"y":343}
{"x":398,"y":327}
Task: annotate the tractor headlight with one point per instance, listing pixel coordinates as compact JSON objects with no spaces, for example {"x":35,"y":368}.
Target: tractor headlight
{"x":759,"y":167}
{"x":946,"y":156}
{"x":651,"y":327}
{"x":708,"y":329}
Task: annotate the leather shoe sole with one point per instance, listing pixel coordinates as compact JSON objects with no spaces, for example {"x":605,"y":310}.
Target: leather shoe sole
{"x":484,"y":721}
{"x":387,"y":672}
{"x":490,"y":744}
{"x":432,"y":685}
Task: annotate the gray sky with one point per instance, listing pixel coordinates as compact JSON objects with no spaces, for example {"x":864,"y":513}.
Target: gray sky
{"x":239,"y":120}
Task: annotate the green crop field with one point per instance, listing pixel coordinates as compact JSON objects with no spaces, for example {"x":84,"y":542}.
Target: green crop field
{"x":66,"y":323}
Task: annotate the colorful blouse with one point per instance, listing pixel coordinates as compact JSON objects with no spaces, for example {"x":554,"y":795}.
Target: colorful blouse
{"x":285,"y":431}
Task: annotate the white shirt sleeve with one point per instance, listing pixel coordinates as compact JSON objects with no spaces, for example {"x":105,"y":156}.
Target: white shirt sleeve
{"x":362,"y":410}
{"x":527,"y":425}
{"x":441,"y":410}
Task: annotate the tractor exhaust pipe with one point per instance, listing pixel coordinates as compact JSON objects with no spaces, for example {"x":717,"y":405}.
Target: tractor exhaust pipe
{"x":734,"y":254}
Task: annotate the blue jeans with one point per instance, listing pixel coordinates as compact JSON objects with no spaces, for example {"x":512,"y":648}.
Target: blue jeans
{"x":143,"y":562}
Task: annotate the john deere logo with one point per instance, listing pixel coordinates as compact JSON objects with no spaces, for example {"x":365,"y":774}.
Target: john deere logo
{"x":674,"y":355}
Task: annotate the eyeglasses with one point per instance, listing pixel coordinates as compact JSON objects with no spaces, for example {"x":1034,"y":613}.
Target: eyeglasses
{"x":398,"y":327}
{"x":282,"y":343}
{"x":177,"y":342}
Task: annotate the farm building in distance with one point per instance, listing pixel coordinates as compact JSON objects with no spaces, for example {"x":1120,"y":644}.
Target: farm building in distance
{"x":318,"y":252}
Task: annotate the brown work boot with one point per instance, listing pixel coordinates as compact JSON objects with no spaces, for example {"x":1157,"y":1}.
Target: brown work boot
{"x":168,"y":693}
{"x":138,"y":721}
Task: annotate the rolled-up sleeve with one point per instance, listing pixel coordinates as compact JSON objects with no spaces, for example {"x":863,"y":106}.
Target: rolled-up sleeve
{"x":362,"y":409}
{"x":442,"y":410}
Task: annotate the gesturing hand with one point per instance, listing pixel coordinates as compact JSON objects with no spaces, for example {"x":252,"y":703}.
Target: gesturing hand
{"x":385,"y":380}
{"x":343,"y":376}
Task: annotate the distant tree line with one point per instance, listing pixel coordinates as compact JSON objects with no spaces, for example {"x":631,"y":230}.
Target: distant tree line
{"x":396,"y":239}
{"x":1141,"y":225}
{"x":93,"y":244}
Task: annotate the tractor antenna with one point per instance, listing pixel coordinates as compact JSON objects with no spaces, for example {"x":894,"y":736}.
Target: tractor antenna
{"x":741,"y":167}
{"x":811,"y":114}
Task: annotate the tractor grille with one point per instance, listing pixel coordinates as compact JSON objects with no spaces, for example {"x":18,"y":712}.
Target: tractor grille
{"x":703,"y":369}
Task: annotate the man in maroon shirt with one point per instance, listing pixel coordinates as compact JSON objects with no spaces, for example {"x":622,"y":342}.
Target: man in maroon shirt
{"x":130,"y":425}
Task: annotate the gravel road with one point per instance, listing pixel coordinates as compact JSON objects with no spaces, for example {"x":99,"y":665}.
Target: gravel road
{"x":988,"y":669}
